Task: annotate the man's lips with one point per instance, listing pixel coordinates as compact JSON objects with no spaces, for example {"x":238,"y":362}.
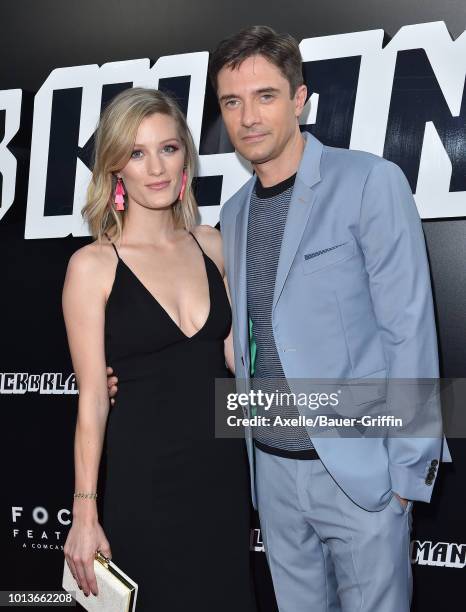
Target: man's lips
{"x":158,"y":186}
{"x":253,"y":137}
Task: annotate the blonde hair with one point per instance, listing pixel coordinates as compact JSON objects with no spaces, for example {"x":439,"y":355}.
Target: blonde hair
{"x":114,"y":140}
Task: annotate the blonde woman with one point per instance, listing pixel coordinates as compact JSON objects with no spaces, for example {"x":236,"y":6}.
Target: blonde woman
{"x":149,"y":297}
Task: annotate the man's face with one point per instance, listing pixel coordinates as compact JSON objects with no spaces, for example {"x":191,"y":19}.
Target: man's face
{"x":257,"y":110}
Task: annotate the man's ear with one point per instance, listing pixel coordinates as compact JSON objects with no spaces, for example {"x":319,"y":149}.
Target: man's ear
{"x":300,"y":98}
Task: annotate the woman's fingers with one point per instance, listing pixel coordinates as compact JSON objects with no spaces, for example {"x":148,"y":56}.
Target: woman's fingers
{"x":111,"y":381}
{"x":82,"y":580}
{"x":72,"y":567}
{"x":106,"y":551}
{"x":90,"y":576}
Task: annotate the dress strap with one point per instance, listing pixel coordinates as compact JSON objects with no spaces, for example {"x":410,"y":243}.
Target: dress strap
{"x":197,"y":242}
{"x":114,"y":247}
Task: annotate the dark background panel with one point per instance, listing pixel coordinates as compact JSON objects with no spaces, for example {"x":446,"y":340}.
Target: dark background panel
{"x":37,"y":37}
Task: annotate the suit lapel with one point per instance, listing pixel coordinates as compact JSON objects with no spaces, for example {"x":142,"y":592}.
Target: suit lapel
{"x":302,"y":201}
{"x":301,"y":204}
{"x":240,"y":289}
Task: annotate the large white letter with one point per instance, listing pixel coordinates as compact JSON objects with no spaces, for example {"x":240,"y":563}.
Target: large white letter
{"x":10,"y":102}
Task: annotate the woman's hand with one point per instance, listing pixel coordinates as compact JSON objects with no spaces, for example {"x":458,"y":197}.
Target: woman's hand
{"x":84,"y":539}
{"x":112,"y":385}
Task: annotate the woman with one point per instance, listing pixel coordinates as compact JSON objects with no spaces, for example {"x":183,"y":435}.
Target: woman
{"x":149,"y":297}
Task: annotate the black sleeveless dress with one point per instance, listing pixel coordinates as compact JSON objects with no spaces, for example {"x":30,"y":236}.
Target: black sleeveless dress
{"x":176,"y":507}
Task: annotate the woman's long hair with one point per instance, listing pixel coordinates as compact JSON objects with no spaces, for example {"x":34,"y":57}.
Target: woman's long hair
{"x":114,"y":142}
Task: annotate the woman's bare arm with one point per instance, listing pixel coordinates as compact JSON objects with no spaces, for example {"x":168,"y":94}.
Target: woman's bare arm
{"x":83,"y":303}
{"x":84,"y":311}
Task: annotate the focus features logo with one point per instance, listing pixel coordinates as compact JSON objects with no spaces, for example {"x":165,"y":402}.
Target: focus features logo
{"x":38,"y":528}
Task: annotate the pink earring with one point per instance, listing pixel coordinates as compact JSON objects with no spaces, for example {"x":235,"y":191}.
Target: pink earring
{"x":183,"y":184}
{"x":119,"y":200}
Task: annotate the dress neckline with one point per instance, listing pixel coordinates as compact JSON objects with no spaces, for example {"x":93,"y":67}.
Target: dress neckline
{"x":163,"y":309}
{"x":154,"y":299}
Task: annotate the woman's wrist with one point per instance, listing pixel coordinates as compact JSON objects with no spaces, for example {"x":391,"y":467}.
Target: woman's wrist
{"x":85,"y":509}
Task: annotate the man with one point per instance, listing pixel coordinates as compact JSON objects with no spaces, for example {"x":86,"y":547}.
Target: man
{"x":328,"y":276}
{"x":326,"y":262}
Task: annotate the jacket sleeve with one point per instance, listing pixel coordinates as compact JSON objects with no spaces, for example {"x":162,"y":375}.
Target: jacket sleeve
{"x":393,"y":245}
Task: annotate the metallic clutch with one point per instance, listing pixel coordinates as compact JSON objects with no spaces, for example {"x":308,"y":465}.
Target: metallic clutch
{"x":117,"y":592}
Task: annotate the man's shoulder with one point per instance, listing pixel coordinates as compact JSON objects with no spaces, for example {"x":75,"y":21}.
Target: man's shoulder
{"x":364,"y":166}
{"x":351,"y":160}
{"x":232,"y":206}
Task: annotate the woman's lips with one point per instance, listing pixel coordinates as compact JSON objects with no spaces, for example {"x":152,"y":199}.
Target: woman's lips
{"x":158,"y":186}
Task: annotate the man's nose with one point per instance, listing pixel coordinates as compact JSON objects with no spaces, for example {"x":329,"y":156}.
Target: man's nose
{"x":250,"y":115}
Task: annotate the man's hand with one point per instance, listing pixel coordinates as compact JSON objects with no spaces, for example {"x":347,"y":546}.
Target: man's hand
{"x":112,"y":385}
{"x":402,"y":500}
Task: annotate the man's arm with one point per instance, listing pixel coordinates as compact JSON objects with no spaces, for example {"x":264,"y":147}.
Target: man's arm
{"x":393,"y":244}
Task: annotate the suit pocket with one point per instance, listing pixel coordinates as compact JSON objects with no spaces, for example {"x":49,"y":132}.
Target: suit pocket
{"x":398,"y":507}
{"x":327,"y":256}
{"x":365,"y":391}
{"x":364,"y":396}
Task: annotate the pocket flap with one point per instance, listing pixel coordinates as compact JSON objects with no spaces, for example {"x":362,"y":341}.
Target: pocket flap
{"x":326,"y":256}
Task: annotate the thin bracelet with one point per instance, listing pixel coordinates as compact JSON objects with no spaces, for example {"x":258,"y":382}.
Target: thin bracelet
{"x":88,"y":495}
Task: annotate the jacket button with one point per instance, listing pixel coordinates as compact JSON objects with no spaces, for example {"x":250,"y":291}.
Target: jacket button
{"x":434,"y":462}
{"x":429,"y":481}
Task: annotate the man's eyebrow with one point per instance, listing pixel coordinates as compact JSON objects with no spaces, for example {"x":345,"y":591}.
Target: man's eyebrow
{"x":227,"y":97}
{"x":262,"y":90}
{"x":267,"y":90}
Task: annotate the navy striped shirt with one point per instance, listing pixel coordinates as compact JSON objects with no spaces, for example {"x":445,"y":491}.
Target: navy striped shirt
{"x":266,"y":223}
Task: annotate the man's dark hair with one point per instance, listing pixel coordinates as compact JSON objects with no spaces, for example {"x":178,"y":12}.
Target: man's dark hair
{"x":282,"y":50}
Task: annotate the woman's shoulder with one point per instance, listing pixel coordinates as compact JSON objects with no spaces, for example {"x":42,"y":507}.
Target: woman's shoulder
{"x":93,"y":259}
{"x":208,"y":235}
{"x":207,"y":231}
{"x":211,"y":241}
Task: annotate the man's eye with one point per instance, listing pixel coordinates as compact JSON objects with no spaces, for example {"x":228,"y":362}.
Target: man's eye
{"x":136,"y":154}
{"x":231,"y":103}
{"x":267,"y":97}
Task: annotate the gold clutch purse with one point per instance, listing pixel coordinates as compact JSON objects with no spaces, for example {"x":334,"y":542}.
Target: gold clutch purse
{"x":116,"y":591}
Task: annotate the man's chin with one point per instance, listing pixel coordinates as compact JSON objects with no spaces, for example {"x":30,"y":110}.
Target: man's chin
{"x":255,"y":155}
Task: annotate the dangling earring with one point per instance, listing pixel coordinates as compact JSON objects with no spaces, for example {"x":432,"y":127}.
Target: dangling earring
{"x":183,"y":185}
{"x":119,"y":201}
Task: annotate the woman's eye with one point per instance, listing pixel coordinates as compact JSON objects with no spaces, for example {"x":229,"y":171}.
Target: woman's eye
{"x":136,"y":154}
{"x":231,"y":103}
{"x":170,"y":148}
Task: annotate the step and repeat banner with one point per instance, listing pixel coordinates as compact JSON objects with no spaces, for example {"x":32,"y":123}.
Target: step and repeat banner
{"x":391,"y":86}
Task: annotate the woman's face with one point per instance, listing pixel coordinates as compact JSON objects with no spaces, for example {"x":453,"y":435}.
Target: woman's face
{"x":153,"y":175}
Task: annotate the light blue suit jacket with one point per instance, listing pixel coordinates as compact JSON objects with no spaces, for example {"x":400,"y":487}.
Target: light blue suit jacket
{"x":352,"y":299}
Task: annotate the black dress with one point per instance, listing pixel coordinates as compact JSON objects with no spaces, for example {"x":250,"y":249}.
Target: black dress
{"x":176,"y":505}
